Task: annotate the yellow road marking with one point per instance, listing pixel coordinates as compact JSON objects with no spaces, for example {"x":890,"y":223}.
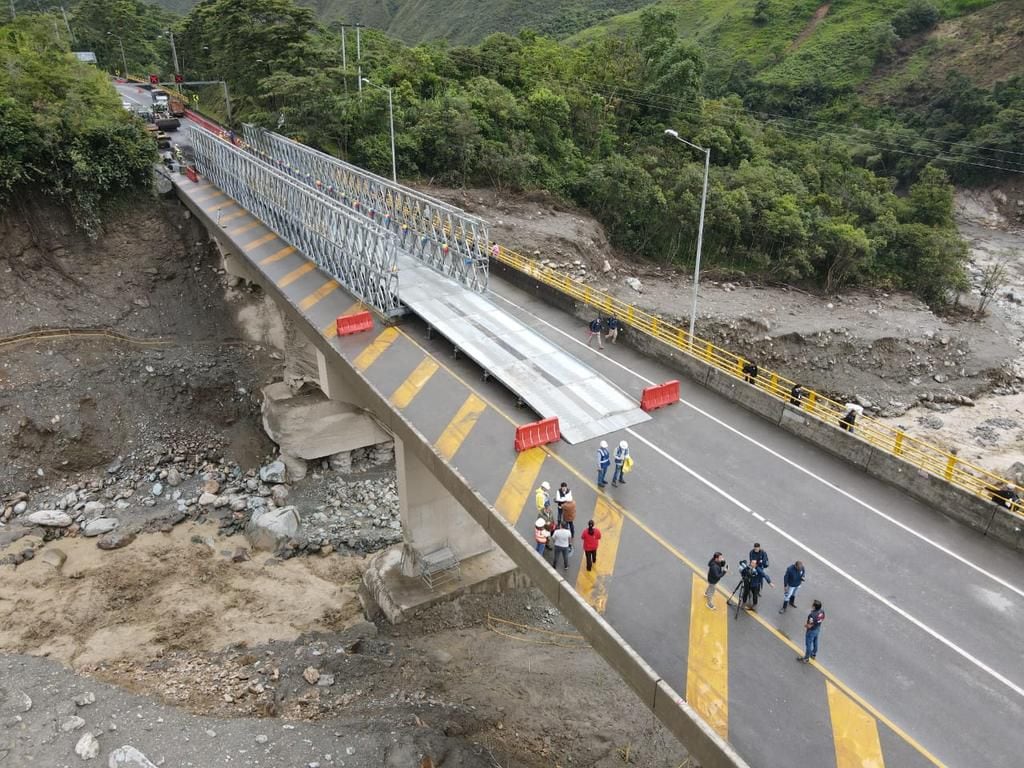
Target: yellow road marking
{"x":367,"y":357}
{"x":324,"y":290}
{"x":233,"y":216}
{"x":288,"y":250}
{"x":593,"y":585}
{"x":586,"y":480}
{"x":519,"y":484}
{"x":854,"y":732}
{"x":295,"y":274}
{"x":245,"y":227}
{"x":707,"y":660}
{"x":460,"y":426}
{"x":254,"y":244}
{"x":412,"y":385}
{"x":331,"y":330}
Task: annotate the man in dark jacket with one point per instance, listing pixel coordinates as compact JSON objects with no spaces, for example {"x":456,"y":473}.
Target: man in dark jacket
{"x":717,"y":568}
{"x":757,"y":579}
{"x":759,"y":555}
{"x":794,"y":577}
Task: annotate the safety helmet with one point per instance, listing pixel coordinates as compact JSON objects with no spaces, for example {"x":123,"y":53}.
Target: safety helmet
{"x":540,"y":523}
{"x":623,"y":445}
{"x":546,"y":485}
{"x":604,"y":443}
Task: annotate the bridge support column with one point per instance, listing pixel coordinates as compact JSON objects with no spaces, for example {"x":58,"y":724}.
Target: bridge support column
{"x":431,"y":517}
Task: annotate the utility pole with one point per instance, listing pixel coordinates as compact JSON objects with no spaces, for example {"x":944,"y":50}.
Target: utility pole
{"x":174,"y":52}
{"x":359,"y":59}
{"x":66,"y":23}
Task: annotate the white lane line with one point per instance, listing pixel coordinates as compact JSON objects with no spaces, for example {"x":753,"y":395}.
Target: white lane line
{"x":852,"y":579}
{"x":874,"y":510}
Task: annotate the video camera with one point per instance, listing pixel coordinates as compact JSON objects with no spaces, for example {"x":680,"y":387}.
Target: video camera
{"x":746,"y":572}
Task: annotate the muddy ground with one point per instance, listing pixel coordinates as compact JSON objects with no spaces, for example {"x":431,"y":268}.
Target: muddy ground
{"x":886,"y":349}
{"x":163,"y":367}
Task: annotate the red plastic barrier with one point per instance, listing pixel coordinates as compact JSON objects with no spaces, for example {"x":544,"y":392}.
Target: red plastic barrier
{"x":660,"y":395}
{"x":355,"y":323}
{"x":202,"y":122}
{"x":190,"y":172}
{"x":537,"y":433}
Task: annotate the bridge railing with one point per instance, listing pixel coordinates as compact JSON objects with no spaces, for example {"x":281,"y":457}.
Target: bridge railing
{"x":919,"y":453}
{"x":446,"y":238}
{"x":359,"y":254}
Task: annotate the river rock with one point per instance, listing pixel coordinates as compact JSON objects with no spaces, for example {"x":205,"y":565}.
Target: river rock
{"x":128,"y":757}
{"x":157,"y":489}
{"x":269,"y":529}
{"x":93,"y":508}
{"x":279,"y":493}
{"x":87,"y":747}
{"x":99,"y":526}
{"x":295,"y":467}
{"x":72,"y":723}
{"x":115,"y":540}
{"x":274,"y":472}
{"x":51,"y":518}
{"x":20,"y":507}
{"x":207,"y":500}
{"x":54,"y":557}
{"x":173,"y":477}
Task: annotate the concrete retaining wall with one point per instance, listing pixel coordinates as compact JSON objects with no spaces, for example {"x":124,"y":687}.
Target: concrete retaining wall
{"x":983,"y":516}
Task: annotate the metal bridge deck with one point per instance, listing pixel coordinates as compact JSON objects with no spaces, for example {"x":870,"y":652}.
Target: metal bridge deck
{"x":544,"y":376}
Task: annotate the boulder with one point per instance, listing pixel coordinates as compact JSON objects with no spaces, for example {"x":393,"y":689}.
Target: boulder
{"x":270,"y":529}
{"x":51,"y":518}
{"x":274,"y":472}
{"x":99,"y":526}
{"x":173,"y":477}
{"x":93,"y":508}
{"x":115,"y":540}
{"x":128,"y":757}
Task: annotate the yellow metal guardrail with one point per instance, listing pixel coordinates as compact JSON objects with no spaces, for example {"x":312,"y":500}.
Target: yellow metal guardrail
{"x":919,"y":453}
{"x":916,"y":452}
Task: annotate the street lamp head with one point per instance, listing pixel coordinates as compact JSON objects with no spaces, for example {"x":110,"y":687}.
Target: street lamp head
{"x":672,"y":133}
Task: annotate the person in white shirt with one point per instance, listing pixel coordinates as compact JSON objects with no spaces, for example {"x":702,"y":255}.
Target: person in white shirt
{"x":560,"y":541}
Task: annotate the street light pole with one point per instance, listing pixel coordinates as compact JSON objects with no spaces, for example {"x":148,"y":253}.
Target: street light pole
{"x":700,"y":228}
{"x":391,"y":124}
{"x":124,"y":59}
{"x":174,"y":51}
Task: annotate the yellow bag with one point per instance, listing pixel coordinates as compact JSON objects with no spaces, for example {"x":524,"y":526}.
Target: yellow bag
{"x":627,"y":465}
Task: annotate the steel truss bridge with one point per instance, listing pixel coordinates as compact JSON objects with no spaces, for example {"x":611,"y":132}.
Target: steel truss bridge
{"x":442,"y":236}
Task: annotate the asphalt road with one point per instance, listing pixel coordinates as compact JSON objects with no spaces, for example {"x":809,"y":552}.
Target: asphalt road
{"x":921,"y":660}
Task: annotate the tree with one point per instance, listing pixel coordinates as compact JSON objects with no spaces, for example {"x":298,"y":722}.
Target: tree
{"x":761,"y":16}
{"x":931,"y":198}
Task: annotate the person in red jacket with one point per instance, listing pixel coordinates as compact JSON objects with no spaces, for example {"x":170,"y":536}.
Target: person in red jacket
{"x":590,"y":536}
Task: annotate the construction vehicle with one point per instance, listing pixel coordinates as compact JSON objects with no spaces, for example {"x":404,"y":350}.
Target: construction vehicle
{"x":176,"y":107}
{"x":163,"y":141}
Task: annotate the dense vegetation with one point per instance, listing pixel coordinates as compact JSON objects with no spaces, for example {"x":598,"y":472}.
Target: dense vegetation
{"x":63,"y":132}
{"x":792,"y":196}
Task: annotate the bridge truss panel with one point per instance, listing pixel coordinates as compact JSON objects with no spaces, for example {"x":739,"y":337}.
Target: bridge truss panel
{"x":357,"y":252}
{"x":442,"y":236}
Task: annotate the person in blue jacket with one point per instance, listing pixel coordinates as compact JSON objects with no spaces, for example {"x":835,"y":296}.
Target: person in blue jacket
{"x":757,"y":580}
{"x":794,"y":577}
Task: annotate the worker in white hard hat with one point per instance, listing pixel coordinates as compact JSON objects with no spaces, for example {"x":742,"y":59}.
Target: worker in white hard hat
{"x":603,"y":460}
{"x":621,"y":454}
{"x":542,"y":498}
{"x":540,"y":535}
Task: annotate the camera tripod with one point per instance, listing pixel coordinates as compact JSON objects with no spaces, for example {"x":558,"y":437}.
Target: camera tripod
{"x":744,"y":589}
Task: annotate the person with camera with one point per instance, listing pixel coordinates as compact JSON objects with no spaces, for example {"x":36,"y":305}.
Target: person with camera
{"x":758,"y":556}
{"x":754,"y":580}
{"x":717,"y":568}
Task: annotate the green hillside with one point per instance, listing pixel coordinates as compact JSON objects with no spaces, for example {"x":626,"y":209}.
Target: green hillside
{"x":462,"y":22}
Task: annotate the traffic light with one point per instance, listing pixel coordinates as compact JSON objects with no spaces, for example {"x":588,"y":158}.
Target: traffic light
{"x":179,"y":78}
{"x":154,"y":79}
